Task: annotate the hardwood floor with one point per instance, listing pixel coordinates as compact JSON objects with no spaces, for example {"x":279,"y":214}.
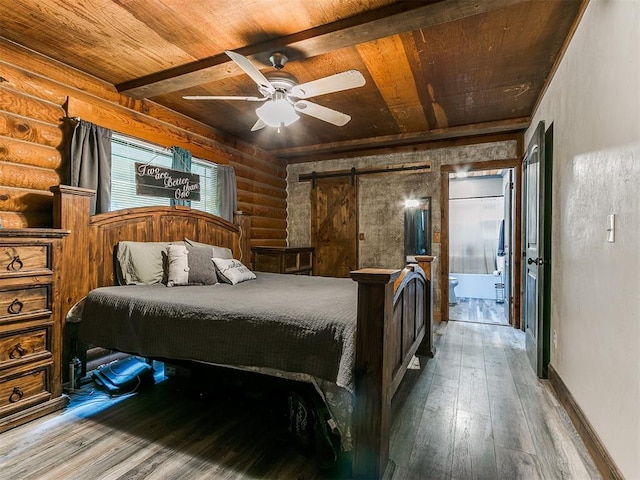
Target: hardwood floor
{"x":478,"y":310}
{"x":475,"y":411}
{"x":486,"y":415}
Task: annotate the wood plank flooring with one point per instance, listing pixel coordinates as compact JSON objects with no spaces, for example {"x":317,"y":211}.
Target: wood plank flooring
{"x":486,"y":415}
{"x":478,"y":310}
{"x":475,"y":411}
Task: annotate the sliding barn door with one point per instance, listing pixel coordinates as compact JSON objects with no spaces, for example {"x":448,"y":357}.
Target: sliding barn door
{"x":334,"y":226}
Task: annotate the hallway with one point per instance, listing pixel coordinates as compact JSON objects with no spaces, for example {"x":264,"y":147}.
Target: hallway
{"x":478,"y":310}
{"x":477,"y":411}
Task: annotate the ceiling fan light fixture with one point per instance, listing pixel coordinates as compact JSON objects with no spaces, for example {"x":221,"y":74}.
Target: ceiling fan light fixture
{"x":278,"y":60}
{"x":276,"y":113}
{"x":283,"y":96}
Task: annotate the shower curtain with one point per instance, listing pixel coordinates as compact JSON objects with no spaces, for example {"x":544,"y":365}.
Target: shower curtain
{"x":474,"y":229}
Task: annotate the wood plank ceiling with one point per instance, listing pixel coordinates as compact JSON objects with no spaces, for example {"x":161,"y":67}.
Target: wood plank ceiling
{"x":433,"y":69}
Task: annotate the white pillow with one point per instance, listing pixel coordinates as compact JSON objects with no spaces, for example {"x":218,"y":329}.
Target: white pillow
{"x":232,"y":271}
{"x":178,"y":265}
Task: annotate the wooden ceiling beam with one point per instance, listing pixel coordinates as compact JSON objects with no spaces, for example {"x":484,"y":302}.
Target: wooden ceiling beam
{"x":338,"y":149}
{"x":365,"y":27}
{"x":398,"y":89}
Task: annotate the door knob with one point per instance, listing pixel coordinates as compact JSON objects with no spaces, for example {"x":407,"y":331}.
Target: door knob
{"x":537,"y":261}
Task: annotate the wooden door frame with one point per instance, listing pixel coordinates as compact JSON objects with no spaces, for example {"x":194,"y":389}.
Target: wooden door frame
{"x":445,"y":170}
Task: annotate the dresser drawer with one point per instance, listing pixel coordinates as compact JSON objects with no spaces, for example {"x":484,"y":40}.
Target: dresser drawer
{"x":23,"y":301}
{"x":24,"y":258}
{"x":28,"y":389}
{"x":23,"y":346}
{"x":30,"y":324}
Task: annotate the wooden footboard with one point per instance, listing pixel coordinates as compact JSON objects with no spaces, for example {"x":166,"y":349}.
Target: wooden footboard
{"x":394,"y":321}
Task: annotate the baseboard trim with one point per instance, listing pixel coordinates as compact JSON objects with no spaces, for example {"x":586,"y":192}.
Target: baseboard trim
{"x":604,"y":463}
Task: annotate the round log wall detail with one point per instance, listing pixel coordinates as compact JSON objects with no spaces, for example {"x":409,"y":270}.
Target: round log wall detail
{"x":35,"y":95}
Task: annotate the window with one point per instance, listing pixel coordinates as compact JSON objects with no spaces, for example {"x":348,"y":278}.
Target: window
{"x":126,"y":151}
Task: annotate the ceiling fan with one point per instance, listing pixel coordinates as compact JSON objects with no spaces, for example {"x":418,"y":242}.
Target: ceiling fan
{"x":283,"y":98}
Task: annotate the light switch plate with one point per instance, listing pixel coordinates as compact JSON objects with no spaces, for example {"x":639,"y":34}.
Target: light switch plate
{"x":611,"y":228}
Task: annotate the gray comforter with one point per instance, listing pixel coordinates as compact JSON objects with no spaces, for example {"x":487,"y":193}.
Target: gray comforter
{"x":289,"y":323}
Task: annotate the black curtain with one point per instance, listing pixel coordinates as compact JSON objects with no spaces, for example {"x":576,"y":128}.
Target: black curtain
{"x":227,"y":192}
{"x":90,"y":160}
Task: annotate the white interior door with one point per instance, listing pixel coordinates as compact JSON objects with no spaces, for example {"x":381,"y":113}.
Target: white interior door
{"x":533,"y":218}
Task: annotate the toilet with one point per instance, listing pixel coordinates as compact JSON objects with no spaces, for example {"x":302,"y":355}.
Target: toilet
{"x":453,"y":282}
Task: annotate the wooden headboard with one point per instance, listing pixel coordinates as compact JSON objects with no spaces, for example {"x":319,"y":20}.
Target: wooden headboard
{"x":88,"y":252}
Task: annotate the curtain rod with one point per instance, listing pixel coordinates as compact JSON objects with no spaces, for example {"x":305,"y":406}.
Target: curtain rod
{"x":411,"y":168}
{"x":476,"y":197}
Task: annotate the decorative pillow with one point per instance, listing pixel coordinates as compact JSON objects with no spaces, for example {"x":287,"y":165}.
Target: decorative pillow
{"x":178,"y":265}
{"x":140,"y":263}
{"x":232,"y":271}
{"x":218,"y":252}
{"x":201,"y":269}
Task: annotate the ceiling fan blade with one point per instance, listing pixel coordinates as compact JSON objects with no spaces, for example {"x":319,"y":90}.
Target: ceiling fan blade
{"x":330,"y":84}
{"x":250,"y":69}
{"x":322,"y":113}
{"x":258,"y":125}
{"x":224,"y":97}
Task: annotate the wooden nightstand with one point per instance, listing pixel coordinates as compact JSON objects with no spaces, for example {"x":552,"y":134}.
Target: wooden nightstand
{"x":30,"y":325}
{"x":295,"y":260}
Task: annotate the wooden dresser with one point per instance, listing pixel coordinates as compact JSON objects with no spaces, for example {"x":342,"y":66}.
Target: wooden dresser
{"x":30,"y":325}
{"x":296,"y":260}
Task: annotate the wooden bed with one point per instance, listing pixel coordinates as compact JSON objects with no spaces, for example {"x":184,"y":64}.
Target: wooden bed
{"x":394,"y":306}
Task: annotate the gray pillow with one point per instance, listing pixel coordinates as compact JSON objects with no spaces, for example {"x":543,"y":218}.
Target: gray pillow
{"x":201,"y":268}
{"x":218,"y":252}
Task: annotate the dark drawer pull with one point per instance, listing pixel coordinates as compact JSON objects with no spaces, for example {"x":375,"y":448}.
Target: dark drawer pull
{"x":15,"y":307}
{"x":17,"y":351}
{"x":16,"y":264}
{"x":16,"y":396}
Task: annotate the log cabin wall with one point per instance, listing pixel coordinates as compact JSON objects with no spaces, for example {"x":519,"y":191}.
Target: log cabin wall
{"x":381,"y":198}
{"x":34,"y":93}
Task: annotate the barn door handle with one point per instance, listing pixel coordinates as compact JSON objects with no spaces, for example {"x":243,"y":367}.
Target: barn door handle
{"x":16,"y":395}
{"x":537,"y":261}
{"x":15,"y":264}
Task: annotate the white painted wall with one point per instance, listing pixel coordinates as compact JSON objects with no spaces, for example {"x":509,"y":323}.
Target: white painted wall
{"x":594,"y":104}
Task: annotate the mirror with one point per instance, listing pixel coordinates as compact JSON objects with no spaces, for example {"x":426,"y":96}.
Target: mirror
{"x":417,"y":227}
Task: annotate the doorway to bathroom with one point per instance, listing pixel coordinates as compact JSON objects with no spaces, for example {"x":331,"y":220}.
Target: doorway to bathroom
{"x":480,"y":241}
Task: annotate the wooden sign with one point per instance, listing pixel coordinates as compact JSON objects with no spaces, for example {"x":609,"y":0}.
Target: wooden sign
{"x":162,"y":182}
